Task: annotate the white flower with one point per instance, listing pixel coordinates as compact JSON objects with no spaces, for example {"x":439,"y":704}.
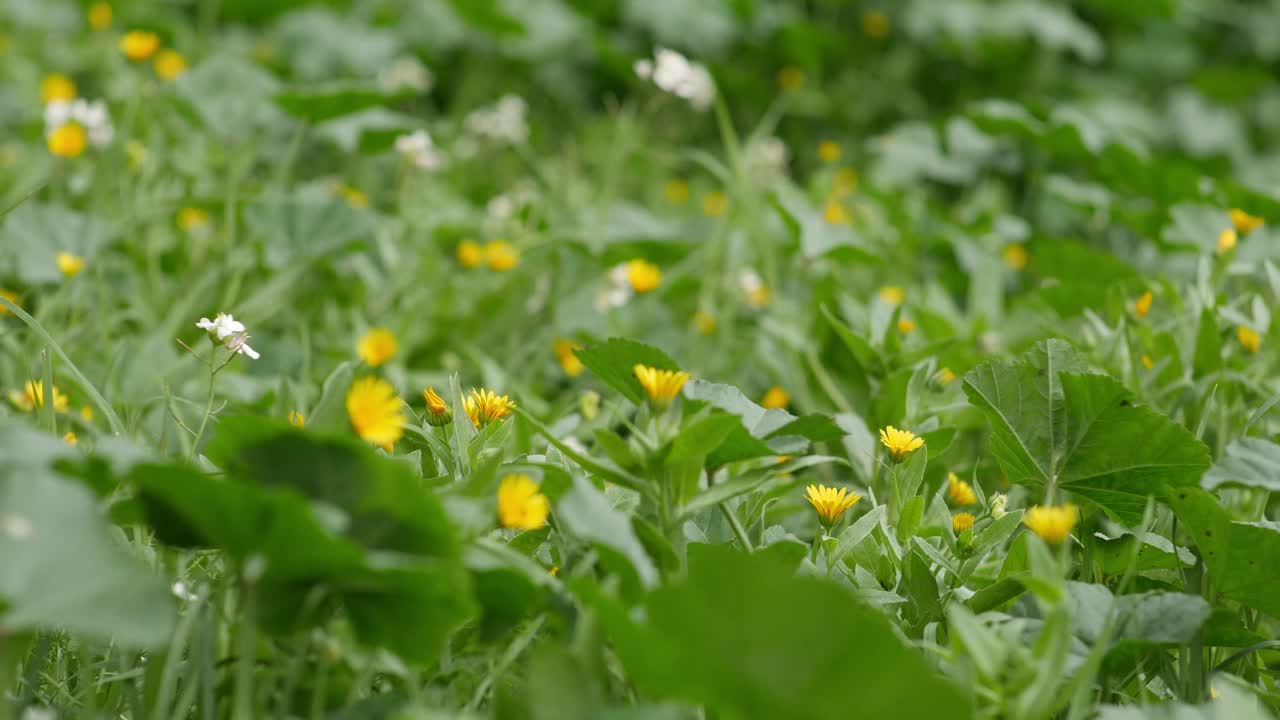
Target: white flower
{"x":56,"y":114}
{"x":92,"y":116}
{"x":419,"y":150}
{"x":238,"y":343}
{"x":180,"y":590}
{"x":749,"y":282}
{"x":998,"y":504}
{"x":617,"y":292}
{"x":769,"y":153}
{"x":407,"y":73}
{"x":505,"y":121}
{"x":676,"y":74}
{"x":15,"y":526}
{"x":222,"y":326}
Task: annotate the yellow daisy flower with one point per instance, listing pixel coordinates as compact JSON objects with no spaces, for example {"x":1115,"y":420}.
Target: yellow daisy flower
{"x":470,"y":254}
{"x":100,"y":16}
{"x":676,"y":191}
{"x":191,"y":219}
{"x":1227,"y":241}
{"x":906,"y":326}
{"x":714,"y":204}
{"x":1142,"y":305}
{"x":946,"y":376}
{"x":12,"y":297}
{"x":439,"y":413}
{"x":69,"y":264}
{"x":1243,"y":222}
{"x":775,"y":397}
{"x":892,"y":295}
{"x":31,"y":397}
{"x":829,"y":151}
{"x":139,"y":45}
{"x":377,"y":346}
{"x":961,"y":522}
{"x":501,"y":255}
{"x":1015,"y":256}
{"x":484,"y":406}
{"x":520,"y":504}
{"x":169,"y":64}
{"x":1054,"y":523}
{"x":705,"y":322}
{"x":376,"y":411}
{"x":57,"y":86}
{"x":569,"y":362}
{"x":900,"y":443}
{"x":297,"y":419}
{"x":960,"y":492}
{"x":67,"y":141}
{"x":661,"y":386}
{"x":829,"y":502}
{"x":643,"y":276}
{"x":1249,"y":339}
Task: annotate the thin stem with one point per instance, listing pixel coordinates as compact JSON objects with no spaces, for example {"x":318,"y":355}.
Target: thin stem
{"x":736,"y":525}
{"x":208,"y":407}
{"x":499,"y":668}
{"x":246,"y":652}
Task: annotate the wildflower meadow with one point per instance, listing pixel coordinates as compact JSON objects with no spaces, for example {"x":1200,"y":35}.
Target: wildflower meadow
{"x":639,"y":359}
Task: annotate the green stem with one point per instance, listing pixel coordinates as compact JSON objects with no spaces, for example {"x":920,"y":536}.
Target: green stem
{"x":517,"y":646}
{"x":246,"y":652}
{"x":739,"y":531}
{"x":208,"y":406}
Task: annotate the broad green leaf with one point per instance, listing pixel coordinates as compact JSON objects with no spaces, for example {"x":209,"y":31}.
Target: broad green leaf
{"x":330,"y":411}
{"x":300,"y":229}
{"x":1081,"y":432}
{"x":231,"y":96}
{"x":487,"y":15}
{"x":1153,"y":552}
{"x":585,"y":513}
{"x":1241,"y":557}
{"x":325,"y":102}
{"x":1250,"y":462}
{"x":614,"y":361}
{"x":1207,"y":358}
{"x":34,"y":233}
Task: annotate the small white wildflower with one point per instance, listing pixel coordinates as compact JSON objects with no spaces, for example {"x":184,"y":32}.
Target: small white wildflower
{"x":676,"y":74}
{"x":998,"y":505}
{"x":222,"y":326}
{"x":770,"y":153}
{"x":406,"y":73}
{"x":91,"y":115}
{"x":180,"y":590}
{"x":16,"y":527}
{"x":644,"y":69}
{"x":418,"y":149}
{"x":749,"y":281}
{"x":56,"y":114}
{"x":505,"y":121}
{"x":238,"y":343}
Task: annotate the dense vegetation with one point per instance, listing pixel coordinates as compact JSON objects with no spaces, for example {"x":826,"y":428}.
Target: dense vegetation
{"x":639,"y":359}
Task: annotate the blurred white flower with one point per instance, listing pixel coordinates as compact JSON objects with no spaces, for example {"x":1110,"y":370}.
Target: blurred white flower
{"x":238,"y":343}
{"x":676,"y":74}
{"x":768,"y":153}
{"x":222,"y":326}
{"x":406,"y":73}
{"x":749,"y":281}
{"x":16,"y":527}
{"x":180,"y":590}
{"x":617,"y":291}
{"x":419,"y":150}
{"x":504,"y":121}
{"x":92,"y":116}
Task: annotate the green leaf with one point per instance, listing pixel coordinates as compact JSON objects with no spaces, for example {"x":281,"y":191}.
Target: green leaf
{"x":1208,"y":351}
{"x":302,"y":229}
{"x":330,"y":411}
{"x":1082,"y":432}
{"x":1249,"y":462}
{"x":1154,"y":552}
{"x":325,"y":102}
{"x":1233,"y":704}
{"x":585,"y":513}
{"x":614,"y":361}
{"x":487,"y":15}
{"x":230,"y":95}
{"x":806,"y":638}
{"x":34,"y":233}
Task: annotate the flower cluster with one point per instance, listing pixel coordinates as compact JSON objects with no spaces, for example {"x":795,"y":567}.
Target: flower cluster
{"x":71,"y":125}
{"x":634,"y":277}
{"x":225,"y":328}
{"x":505,"y":121}
{"x":418,"y":149}
{"x":676,"y":74}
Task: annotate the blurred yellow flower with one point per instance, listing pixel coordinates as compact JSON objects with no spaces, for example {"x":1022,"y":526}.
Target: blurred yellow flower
{"x":68,"y":140}
{"x":906,"y":326}
{"x":790,"y":79}
{"x":959,"y":491}
{"x":439,"y":413}
{"x":297,"y":419}
{"x":676,"y":191}
{"x":892,"y":294}
{"x":1054,"y":523}
{"x":875,"y":24}
{"x":1015,"y":256}
{"x":12,"y":297}
{"x":846,"y":181}
{"x":589,"y":405}
{"x":190,"y":219}
{"x":501,"y":255}
{"x":375,"y":412}
{"x":1249,"y":339}
{"x":520,"y":504}
{"x":86,"y":412}
{"x":470,"y":254}
{"x":1243,"y":222}
{"x":355,"y":198}
{"x":377,"y":346}
{"x":705,"y":322}
{"x":775,"y":397}
{"x":32,"y":396}
{"x":900,"y":443}
{"x":1227,"y":240}
{"x":569,"y":362}
{"x":660,"y":385}
{"x":1142,"y":305}
{"x":69,"y":265}
{"x":1147,"y":362}
{"x":946,"y":376}
{"x":715,"y":203}
{"x":139,"y":45}
{"x":961,"y":522}
{"x":100,"y":16}
{"x":169,"y":64}
{"x":71,"y":439}
{"x":829,"y":502}
{"x":57,"y":86}
{"x":643,"y":275}
{"x":484,"y":406}
{"x":834,"y":213}
{"x":829,"y":151}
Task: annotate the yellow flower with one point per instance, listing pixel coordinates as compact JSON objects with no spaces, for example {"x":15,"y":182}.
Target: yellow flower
{"x":830,"y":502}
{"x":835,"y":214}
{"x":439,"y":413}
{"x":12,"y":297}
{"x":520,"y":505}
{"x":485,"y":406}
{"x":86,"y":412}
{"x":377,"y":346}
{"x":1147,"y":362}
{"x":297,"y":419}
{"x":355,"y":198}
{"x":790,"y":79}
{"x":676,"y":191}
{"x":71,"y":439}
{"x":1015,"y":256}
{"x":57,"y":86}
{"x":759,"y":297}
{"x":705,"y":322}
{"x":169,"y":64}
{"x":846,"y":181}
{"x":946,"y":376}
{"x":470,"y":254}
{"x":961,"y":522}
{"x":1142,"y":305}
{"x":906,"y":326}
{"x":892,"y":295}
{"x":1054,"y":523}
{"x":960,"y":492}
{"x":67,"y":140}
{"x":569,"y":362}
{"x":714,"y":204}
{"x":660,"y":385}
{"x":875,"y":24}
{"x":190,"y":219}
{"x":1227,"y":240}
{"x":375,"y":411}
{"x":589,"y":405}
{"x":32,"y":396}
{"x":69,"y":265}
{"x":775,"y":397}
{"x":1249,"y":339}
{"x":139,"y":45}
{"x":501,"y":255}
{"x":829,"y":151}
{"x":643,"y":275}
{"x":1243,"y":222}
{"x":901,"y":443}
{"x":100,"y":16}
